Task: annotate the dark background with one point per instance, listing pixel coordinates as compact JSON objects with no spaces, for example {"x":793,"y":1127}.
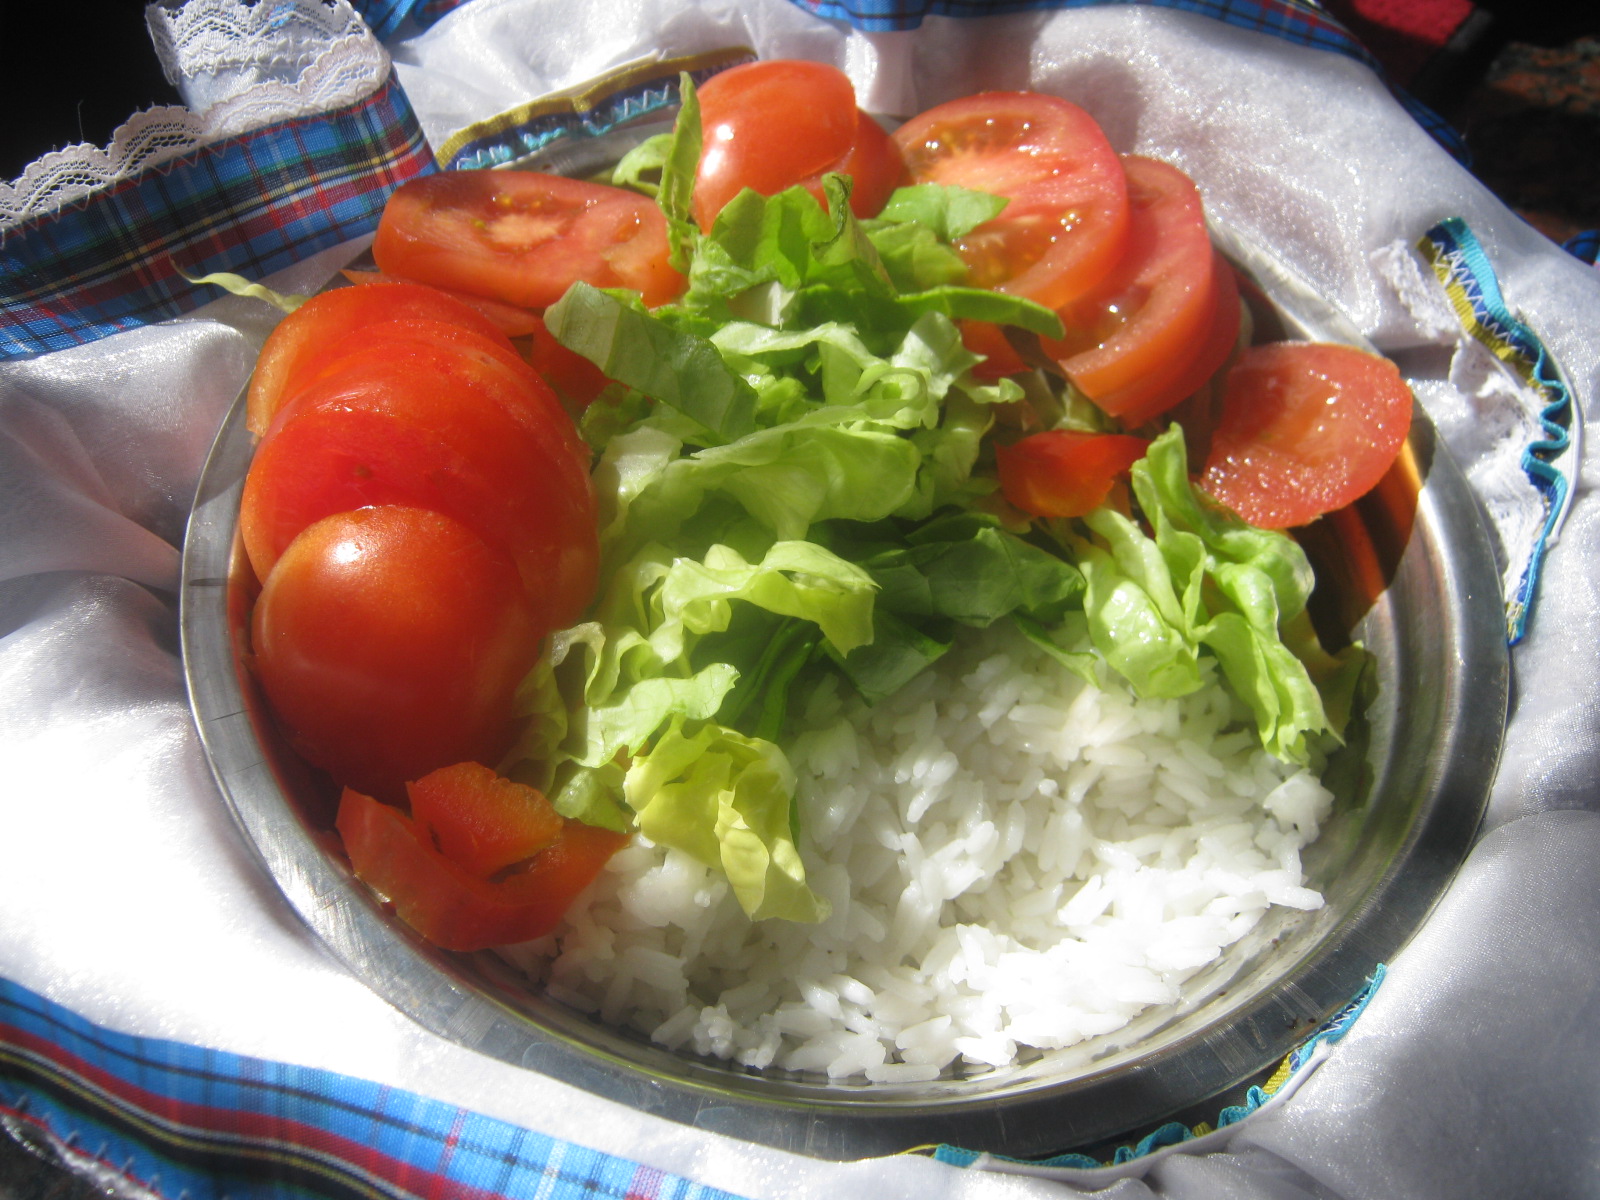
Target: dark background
{"x":1519,"y":78}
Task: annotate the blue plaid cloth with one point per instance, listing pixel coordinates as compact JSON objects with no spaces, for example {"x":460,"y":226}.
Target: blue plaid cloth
{"x":184,"y":1122}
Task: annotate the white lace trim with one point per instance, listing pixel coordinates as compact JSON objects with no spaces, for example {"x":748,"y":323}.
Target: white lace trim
{"x":239,"y":67}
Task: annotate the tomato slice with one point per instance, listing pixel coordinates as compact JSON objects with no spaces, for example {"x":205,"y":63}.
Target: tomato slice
{"x":769,"y":126}
{"x":509,"y":320}
{"x":874,"y":167}
{"x":446,"y":348}
{"x":450,"y":906}
{"x":1156,"y":306}
{"x":481,"y":820}
{"x":1067,"y":219}
{"x":1064,"y":473}
{"x":332,"y":315}
{"x":1162,"y":387}
{"x":522,"y":237}
{"x":390,"y":642}
{"x":575,"y":379}
{"x":392,"y":428}
{"x":1306,"y":428}
{"x":1000,"y":357}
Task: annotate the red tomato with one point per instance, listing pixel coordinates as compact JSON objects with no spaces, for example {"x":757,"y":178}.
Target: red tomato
{"x":480,"y":820}
{"x":768,"y":126}
{"x":522,"y":238}
{"x":1062,"y":473}
{"x":509,"y":320}
{"x":328,"y":316}
{"x":450,"y":906}
{"x":1000,"y":357}
{"x":873,"y":165}
{"x":394,"y":428}
{"x":390,"y":641}
{"x":1156,"y":306}
{"x":1067,"y":219}
{"x":1305,"y":428}
{"x":449,"y":349}
{"x":575,"y":379}
{"x":1158,"y":390}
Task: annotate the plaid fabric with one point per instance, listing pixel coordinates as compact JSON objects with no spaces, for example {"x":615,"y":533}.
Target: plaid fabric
{"x":181,"y":1121}
{"x":250,"y":205}
{"x":384,"y":17}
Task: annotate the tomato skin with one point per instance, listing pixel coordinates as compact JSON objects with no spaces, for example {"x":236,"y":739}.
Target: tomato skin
{"x":874,"y":167}
{"x":1000,"y":357}
{"x":1306,"y":428}
{"x":511,"y":321}
{"x":575,"y":379}
{"x":1156,"y":307}
{"x":331,"y":315}
{"x":481,"y":820}
{"x":449,"y":905}
{"x":1157,"y":391}
{"x":1064,"y":473}
{"x":1067,"y":220}
{"x":769,"y":126}
{"x":390,"y":641}
{"x":522,"y":237}
{"x":384,"y":430}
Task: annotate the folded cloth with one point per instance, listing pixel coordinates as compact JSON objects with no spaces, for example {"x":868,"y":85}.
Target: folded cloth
{"x":130,"y":900}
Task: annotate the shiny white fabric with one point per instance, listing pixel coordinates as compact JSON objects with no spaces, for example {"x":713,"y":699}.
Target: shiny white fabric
{"x":127,"y":894}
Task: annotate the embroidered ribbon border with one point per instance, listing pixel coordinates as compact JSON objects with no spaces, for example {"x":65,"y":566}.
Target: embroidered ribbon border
{"x":182,"y":1121}
{"x":1463,"y":269}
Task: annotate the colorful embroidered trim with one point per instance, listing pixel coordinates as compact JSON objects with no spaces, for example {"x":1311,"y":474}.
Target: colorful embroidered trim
{"x":199,"y":1124}
{"x":1294,"y":1069}
{"x":249,"y":205}
{"x":627,"y":94}
{"x":1468,"y":278}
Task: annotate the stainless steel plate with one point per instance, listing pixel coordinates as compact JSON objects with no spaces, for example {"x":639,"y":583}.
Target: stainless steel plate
{"x":1409,"y":571}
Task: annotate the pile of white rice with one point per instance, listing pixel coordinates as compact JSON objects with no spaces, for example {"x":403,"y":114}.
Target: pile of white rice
{"x":1015,"y":859}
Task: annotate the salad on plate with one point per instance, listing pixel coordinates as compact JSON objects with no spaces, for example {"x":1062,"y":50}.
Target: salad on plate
{"x":818,"y":597}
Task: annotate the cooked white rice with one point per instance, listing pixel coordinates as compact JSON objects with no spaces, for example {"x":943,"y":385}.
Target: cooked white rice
{"x":1014,"y":860}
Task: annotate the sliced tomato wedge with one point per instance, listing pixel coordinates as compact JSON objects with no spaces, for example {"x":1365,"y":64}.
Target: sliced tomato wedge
{"x":481,"y":820}
{"x":769,"y":126}
{"x":509,"y":320}
{"x":1156,"y":307}
{"x":449,"y":905}
{"x":1306,"y":428}
{"x":1000,"y":357}
{"x":1067,"y":221}
{"x":1064,"y":473}
{"x":332,"y":315}
{"x":1162,"y":387}
{"x":575,"y":379}
{"x":522,"y":237}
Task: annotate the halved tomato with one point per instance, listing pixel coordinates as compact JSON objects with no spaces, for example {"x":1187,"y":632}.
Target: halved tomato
{"x":1306,"y":428}
{"x":1156,"y":307}
{"x":522,"y":237}
{"x":394,"y":429}
{"x":768,"y":126}
{"x":1067,"y":220}
{"x":449,"y":905}
{"x":1065,"y":473}
{"x":874,"y":167}
{"x":331,"y":315}
{"x":390,"y":642}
